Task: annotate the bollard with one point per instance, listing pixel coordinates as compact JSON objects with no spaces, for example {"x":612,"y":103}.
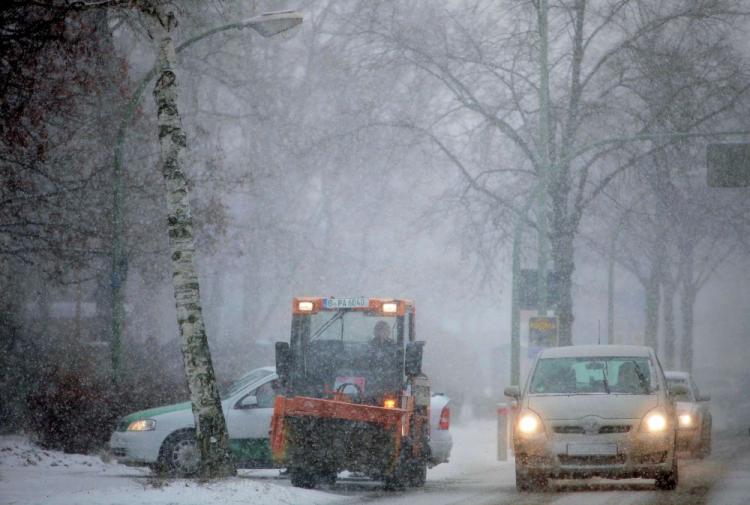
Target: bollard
{"x":503,"y":413}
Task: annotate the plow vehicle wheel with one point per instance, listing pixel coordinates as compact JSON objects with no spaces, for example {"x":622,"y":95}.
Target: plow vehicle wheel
{"x":410,"y":471}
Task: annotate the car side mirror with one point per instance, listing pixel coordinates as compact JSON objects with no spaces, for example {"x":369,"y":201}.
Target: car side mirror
{"x":413,"y":359}
{"x":248,"y":402}
{"x":283,"y":361}
{"x":677,"y":390}
{"x":512,"y":392}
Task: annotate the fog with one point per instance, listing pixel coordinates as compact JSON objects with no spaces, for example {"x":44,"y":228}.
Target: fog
{"x":385,"y":149}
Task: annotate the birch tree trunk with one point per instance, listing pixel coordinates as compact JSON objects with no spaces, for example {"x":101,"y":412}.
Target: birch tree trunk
{"x":210,"y":426}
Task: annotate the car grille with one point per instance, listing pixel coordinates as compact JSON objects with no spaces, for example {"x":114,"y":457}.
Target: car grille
{"x":614,"y":428}
{"x":603,"y":430}
{"x":618,"y":459}
{"x":568,"y":429}
{"x":653,"y":458}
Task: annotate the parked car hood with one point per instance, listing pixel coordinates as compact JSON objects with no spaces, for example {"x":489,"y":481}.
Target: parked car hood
{"x":612,"y":406}
{"x":157,"y":411}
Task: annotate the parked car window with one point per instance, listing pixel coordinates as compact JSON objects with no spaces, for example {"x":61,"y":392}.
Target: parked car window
{"x":266,"y":394}
{"x":244,"y":381}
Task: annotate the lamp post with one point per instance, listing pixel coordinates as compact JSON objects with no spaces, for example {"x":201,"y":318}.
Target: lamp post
{"x":267,"y":25}
{"x":544,"y":164}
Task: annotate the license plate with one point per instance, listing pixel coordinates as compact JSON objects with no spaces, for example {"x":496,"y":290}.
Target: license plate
{"x":592,"y":449}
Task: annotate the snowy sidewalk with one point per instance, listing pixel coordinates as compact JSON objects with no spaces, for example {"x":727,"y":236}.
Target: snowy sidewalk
{"x":30,"y":475}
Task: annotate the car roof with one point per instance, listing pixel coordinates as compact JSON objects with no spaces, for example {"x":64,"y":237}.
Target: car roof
{"x":676,"y":374}
{"x":584,"y":351}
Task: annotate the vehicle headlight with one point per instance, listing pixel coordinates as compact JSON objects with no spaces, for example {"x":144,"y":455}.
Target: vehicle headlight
{"x":142,"y":425}
{"x":529,"y":423}
{"x":654,"y":422}
{"x":685,"y":420}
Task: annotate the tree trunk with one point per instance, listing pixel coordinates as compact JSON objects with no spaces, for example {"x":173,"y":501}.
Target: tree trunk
{"x":650,"y":337}
{"x":562,"y":256}
{"x":210,"y":425}
{"x":670,"y":289}
{"x":687,"y":303}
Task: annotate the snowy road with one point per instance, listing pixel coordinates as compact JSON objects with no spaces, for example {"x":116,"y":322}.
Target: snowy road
{"x":475,"y":478}
{"x":33,"y":476}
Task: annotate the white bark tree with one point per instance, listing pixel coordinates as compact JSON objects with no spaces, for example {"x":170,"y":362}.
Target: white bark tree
{"x":211,"y":433}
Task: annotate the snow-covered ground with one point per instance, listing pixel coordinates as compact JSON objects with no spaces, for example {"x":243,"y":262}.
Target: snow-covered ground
{"x":30,"y":475}
{"x":33,"y":476}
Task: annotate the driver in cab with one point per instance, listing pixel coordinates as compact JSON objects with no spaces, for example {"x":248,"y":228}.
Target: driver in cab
{"x":381,"y":335}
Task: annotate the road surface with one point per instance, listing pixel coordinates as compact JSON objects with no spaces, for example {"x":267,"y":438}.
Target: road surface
{"x":474,"y":477}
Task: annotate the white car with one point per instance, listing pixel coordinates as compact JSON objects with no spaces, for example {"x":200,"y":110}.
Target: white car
{"x":164,"y":436}
{"x":693,"y":416}
{"x":595,"y":410}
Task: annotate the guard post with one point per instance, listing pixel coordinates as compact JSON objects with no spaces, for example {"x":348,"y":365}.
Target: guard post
{"x":503,"y":423}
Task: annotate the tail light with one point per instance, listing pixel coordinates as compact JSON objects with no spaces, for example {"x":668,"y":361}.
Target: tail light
{"x":445,"y":419}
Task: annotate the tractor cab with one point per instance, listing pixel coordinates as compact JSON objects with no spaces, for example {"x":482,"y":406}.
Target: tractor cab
{"x":360,"y":348}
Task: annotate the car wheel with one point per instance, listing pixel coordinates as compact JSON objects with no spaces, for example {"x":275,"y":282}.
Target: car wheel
{"x":180,"y":455}
{"x":329,"y":477}
{"x":302,"y":477}
{"x":704,"y":446}
{"x":705,"y":449}
{"x":667,"y":481}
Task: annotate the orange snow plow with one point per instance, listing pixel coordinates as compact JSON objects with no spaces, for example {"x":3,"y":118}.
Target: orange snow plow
{"x":353,"y":393}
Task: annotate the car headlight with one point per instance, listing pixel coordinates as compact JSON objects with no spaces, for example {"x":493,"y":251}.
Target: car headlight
{"x":654,"y":422}
{"x":142,"y":425}
{"x":529,"y":423}
{"x":685,"y":420}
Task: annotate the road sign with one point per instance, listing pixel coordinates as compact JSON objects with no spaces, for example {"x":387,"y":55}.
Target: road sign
{"x":542,"y":332}
{"x":728,"y":165}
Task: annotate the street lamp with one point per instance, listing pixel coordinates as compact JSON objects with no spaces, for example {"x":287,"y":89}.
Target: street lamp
{"x":267,"y":24}
{"x":272,"y":23}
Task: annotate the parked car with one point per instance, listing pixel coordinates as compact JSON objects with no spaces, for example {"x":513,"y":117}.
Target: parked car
{"x":165,"y":436}
{"x":441,"y":441}
{"x":595,"y":410}
{"x":693,"y":415}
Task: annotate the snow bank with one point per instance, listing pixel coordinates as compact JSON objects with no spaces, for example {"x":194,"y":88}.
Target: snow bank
{"x":30,"y":475}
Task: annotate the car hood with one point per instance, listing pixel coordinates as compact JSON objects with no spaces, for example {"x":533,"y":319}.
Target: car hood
{"x":157,"y":411}
{"x":613,"y":406}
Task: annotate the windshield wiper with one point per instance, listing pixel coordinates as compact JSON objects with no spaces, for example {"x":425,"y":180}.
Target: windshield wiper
{"x":338,"y":315}
{"x":641,"y":378}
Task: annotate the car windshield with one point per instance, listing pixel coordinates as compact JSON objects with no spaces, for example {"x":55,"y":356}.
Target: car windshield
{"x":587,"y":375}
{"x":243,"y":381}
{"x":684,"y":397}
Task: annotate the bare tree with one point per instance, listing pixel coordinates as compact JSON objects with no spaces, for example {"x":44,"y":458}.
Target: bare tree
{"x":567,"y":131}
